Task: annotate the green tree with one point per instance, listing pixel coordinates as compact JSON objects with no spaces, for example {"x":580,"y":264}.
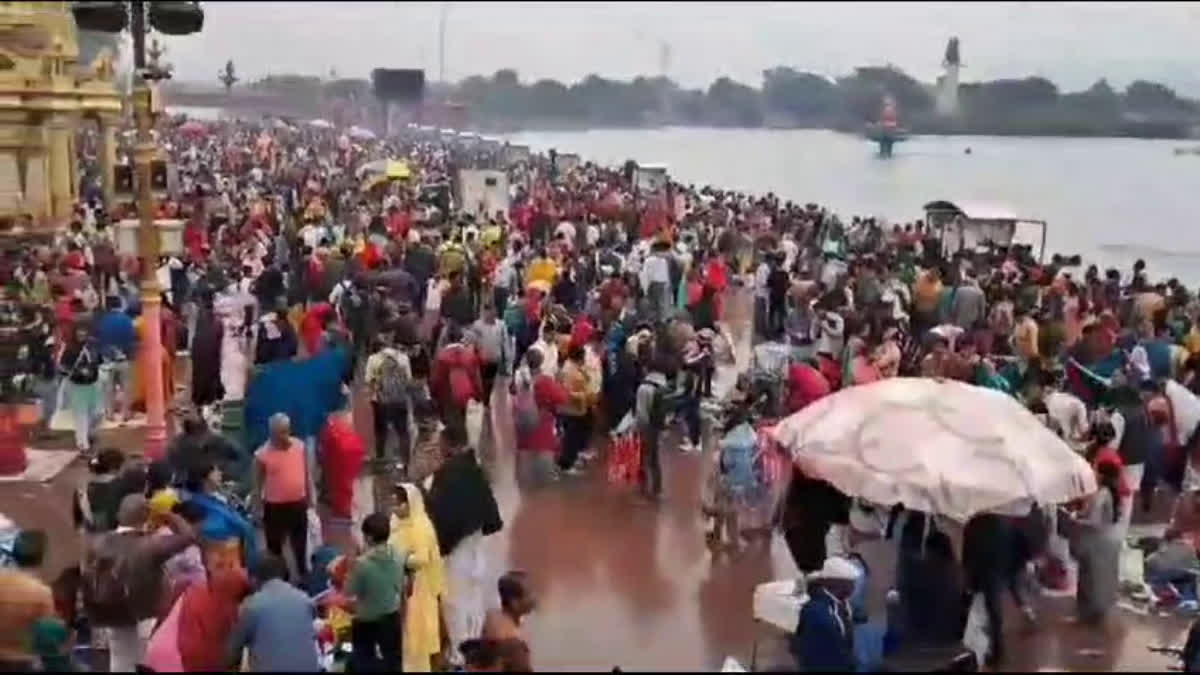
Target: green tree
{"x":734,"y":104}
{"x":804,"y":97}
{"x":1149,"y":97}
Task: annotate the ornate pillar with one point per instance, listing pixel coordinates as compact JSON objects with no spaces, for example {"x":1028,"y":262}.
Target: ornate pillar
{"x":62,"y":192}
{"x":108,"y":157}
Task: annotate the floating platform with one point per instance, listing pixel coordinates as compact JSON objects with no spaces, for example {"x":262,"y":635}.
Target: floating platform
{"x":886,"y":138}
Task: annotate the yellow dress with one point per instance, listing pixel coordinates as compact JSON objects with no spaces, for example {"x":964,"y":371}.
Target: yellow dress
{"x":542,"y":269}
{"x":415,"y":536}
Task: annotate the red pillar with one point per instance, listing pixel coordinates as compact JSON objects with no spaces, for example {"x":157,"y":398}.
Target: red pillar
{"x":13,"y":434}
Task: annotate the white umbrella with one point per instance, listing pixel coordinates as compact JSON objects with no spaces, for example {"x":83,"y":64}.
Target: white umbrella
{"x":937,"y":446}
{"x":321,"y":124}
{"x":360,"y":134}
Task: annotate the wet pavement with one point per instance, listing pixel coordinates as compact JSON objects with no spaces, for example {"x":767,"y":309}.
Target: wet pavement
{"x":626,"y":583}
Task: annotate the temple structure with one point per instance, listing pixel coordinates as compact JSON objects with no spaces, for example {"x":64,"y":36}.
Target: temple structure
{"x":45,"y":95}
{"x":887,"y":132}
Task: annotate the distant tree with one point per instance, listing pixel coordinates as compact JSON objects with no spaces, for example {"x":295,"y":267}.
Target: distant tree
{"x":690,"y":106}
{"x":506,"y":78}
{"x":862,"y":94}
{"x":551,"y":98}
{"x":351,"y":89}
{"x":300,"y":90}
{"x":1099,"y":103}
{"x":606,"y":102}
{"x":735,"y":104}
{"x":1145,"y":96}
{"x":1031,"y":105}
{"x":804,"y":97}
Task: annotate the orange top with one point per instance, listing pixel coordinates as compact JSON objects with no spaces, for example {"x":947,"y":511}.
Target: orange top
{"x":284,"y":473}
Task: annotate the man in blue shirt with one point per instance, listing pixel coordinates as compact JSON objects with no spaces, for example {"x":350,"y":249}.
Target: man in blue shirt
{"x":116,"y":339}
{"x":824,"y":637}
{"x":275,"y":624}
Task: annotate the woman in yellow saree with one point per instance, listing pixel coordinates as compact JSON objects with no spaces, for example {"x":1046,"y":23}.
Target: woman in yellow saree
{"x":413,"y":535}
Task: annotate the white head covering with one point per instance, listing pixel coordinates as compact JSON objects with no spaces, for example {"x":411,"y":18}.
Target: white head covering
{"x":836,"y":568}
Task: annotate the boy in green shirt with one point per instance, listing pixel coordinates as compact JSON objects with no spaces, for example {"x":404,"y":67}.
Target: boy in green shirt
{"x":376,"y":585}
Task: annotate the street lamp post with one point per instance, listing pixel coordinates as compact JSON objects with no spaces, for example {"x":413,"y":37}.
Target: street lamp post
{"x":171,"y":18}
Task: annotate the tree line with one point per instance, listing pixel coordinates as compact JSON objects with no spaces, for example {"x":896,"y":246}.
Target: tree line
{"x":787,"y":97}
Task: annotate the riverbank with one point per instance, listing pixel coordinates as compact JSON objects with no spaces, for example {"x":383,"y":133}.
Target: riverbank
{"x":1110,"y":200}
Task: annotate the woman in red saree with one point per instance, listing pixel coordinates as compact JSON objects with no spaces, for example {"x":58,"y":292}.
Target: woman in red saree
{"x":342,"y":453}
{"x":716,"y":277}
{"x":207,"y":617}
{"x":312,"y":327}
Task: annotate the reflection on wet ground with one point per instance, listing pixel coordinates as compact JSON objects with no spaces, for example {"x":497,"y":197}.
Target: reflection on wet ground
{"x":630,"y":584}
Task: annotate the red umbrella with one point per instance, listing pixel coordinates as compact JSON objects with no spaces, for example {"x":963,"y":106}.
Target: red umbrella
{"x":193,"y":128}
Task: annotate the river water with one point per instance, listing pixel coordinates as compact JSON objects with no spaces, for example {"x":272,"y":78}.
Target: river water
{"x":1110,"y":200}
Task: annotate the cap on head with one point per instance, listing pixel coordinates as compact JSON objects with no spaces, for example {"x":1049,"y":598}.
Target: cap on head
{"x":836,"y":568}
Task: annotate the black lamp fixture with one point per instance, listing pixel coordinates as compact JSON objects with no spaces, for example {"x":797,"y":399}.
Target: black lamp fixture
{"x":176,"y":17}
{"x":169,"y":17}
{"x":102,"y":17}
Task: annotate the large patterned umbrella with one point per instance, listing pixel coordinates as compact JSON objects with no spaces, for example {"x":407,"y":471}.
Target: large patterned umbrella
{"x":937,"y":446}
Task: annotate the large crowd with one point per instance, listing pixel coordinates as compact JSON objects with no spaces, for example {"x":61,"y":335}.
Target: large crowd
{"x":598,"y":309}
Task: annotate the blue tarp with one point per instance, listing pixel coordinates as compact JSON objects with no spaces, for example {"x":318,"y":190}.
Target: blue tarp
{"x":307,"y":391}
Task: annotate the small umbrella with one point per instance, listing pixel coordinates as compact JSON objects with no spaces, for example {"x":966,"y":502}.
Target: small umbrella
{"x":193,"y":128}
{"x":321,"y":124}
{"x":397,"y":170}
{"x":937,"y":446}
{"x":361,"y":134}
{"x":378,"y":166}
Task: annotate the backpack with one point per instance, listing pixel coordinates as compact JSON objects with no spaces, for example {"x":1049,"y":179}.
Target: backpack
{"x":392,"y":384}
{"x":107,"y":593}
{"x":658,"y":406}
{"x":526,"y":415}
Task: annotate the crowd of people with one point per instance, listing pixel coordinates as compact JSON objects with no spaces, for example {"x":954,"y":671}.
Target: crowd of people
{"x":597,"y":309}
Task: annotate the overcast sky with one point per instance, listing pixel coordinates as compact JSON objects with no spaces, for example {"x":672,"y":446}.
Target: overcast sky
{"x":1071,"y":43}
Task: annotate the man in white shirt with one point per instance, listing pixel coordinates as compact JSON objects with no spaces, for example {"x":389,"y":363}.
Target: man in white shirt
{"x":1070,"y":414}
{"x":548,"y":346}
{"x":655,"y":279}
{"x":566,"y":230}
{"x":790,"y":250}
{"x":831,"y":337}
{"x":385,"y":369}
